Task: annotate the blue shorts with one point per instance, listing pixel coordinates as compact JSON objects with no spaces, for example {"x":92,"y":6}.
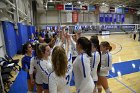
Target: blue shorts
{"x":45,"y":86}
{"x":95,"y":82}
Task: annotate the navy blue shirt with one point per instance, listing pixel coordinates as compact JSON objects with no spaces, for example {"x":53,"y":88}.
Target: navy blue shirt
{"x":26,"y":64}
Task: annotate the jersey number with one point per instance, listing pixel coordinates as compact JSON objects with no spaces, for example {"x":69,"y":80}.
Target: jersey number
{"x":68,"y":79}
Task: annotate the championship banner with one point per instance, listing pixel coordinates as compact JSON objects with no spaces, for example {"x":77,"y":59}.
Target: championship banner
{"x":84,"y":8}
{"x":126,"y":10}
{"x":68,"y":7}
{"x":51,"y":7}
{"x":112,"y":9}
{"x":91,"y":8}
{"x":132,"y":11}
{"x":76,"y":7}
{"x":59,"y":7}
{"x":74,"y":17}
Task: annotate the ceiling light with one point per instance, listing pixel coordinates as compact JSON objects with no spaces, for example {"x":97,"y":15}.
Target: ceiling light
{"x":69,"y":3}
{"x":79,"y":2}
{"x":50,"y":0}
{"x":103,"y":3}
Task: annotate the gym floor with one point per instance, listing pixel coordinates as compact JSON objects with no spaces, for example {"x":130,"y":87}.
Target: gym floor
{"x":124,"y":50}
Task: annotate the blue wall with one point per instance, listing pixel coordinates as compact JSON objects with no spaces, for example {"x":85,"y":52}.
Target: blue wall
{"x":10,"y":38}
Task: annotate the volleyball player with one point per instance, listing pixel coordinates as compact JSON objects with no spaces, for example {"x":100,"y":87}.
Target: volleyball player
{"x":106,"y":65}
{"x":59,"y":79}
{"x":95,"y":60}
{"x":45,"y":65}
{"x":34,"y":68}
{"x":81,"y":67}
{"x":27,"y":51}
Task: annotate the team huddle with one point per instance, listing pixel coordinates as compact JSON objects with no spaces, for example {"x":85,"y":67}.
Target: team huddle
{"x":50,"y":66}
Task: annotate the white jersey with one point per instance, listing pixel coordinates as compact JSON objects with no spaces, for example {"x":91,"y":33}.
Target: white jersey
{"x":106,"y":64}
{"x":38,"y":75}
{"x":57,"y":84}
{"x":61,"y":84}
{"x":69,"y":69}
{"x":82,"y":70}
{"x":95,"y":60}
{"x":46,"y":69}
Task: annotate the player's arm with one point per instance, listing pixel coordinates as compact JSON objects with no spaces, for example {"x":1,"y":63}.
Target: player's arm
{"x":31,"y":70}
{"x":73,"y":42}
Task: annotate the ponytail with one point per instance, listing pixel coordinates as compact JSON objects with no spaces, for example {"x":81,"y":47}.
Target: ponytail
{"x":95,"y":41}
{"x":85,"y":44}
{"x":110,"y":48}
{"x":40,"y":50}
{"x":88,"y":48}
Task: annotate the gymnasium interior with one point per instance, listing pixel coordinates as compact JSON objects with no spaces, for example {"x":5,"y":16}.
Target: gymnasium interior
{"x":115,"y":21}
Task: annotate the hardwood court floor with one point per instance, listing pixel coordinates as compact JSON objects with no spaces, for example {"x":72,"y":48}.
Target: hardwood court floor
{"x":126,"y":49}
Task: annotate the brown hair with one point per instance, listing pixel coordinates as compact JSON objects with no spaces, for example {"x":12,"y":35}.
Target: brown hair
{"x":85,"y":44}
{"x":107,"y":45}
{"x":59,"y":61}
{"x":25,"y":47}
{"x":41,"y":50}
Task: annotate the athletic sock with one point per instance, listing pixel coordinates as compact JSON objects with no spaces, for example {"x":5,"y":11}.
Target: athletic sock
{"x":108,"y":90}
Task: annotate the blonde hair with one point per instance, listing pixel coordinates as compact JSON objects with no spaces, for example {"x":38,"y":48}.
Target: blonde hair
{"x":41,"y":50}
{"x":59,"y":61}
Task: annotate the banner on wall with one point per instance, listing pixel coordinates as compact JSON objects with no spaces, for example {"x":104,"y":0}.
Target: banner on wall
{"x":84,"y":8}
{"x":132,"y":10}
{"x":68,"y":7}
{"x":74,"y":17}
{"x":112,"y":9}
{"x":59,"y":7}
{"x":122,"y":17}
{"x":51,"y":7}
{"x":126,"y":10}
{"x":110,"y":17}
{"x":119,"y":10}
{"x":91,"y":8}
{"x":115,"y":18}
{"x":106,"y":17}
{"x":69,"y":17}
{"x":101,"y":18}
{"x":76,"y":7}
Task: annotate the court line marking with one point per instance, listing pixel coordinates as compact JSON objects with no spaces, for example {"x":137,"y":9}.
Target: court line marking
{"x":123,"y":84}
{"x":119,"y":50}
